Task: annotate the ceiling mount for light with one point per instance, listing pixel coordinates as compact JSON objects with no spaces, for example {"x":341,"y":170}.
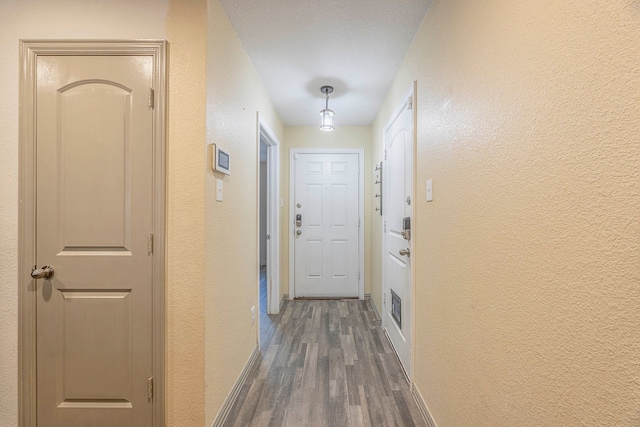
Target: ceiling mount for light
{"x":326,"y":115}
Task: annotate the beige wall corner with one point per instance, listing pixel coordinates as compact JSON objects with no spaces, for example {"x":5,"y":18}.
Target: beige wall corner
{"x":234,"y":95}
{"x":186,"y":31}
{"x":313,"y":137}
{"x":526,"y":261}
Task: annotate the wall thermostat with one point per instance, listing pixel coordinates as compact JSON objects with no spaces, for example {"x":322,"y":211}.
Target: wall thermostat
{"x":220,"y":160}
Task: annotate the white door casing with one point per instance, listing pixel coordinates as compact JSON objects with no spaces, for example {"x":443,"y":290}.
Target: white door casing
{"x":327,"y":247}
{"x":266,"y":135}
{"x":98,"y":208}
{"x":398,"y":194}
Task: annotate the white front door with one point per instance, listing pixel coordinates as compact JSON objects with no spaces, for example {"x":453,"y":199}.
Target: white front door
{"x":398,"y":142}
{"x":94,"y":214}
{"x":325,"y":224}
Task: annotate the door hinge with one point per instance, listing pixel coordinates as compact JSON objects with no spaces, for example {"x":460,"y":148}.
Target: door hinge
{"x":150,"y":244}
{"x":268,"y":236}
{"x":358,"y":222}
{"x":150,"y":388}
{"x":384,"y":298}
{"x":152,"y":99}
{"x":385,"y":154}
{"x":358,"y":275}
{"x":410,"y":103}
{"x":385,"y":226}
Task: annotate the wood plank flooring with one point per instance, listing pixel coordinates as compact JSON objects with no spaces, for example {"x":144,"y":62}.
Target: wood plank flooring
{"x":325,"y":363}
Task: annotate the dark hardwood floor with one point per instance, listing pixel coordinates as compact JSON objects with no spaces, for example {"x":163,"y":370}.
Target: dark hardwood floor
{"x":325,"y":363}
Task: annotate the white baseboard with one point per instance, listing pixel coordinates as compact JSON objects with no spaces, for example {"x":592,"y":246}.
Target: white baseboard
{"x":220,"y":419}
{"x":422,"y":406}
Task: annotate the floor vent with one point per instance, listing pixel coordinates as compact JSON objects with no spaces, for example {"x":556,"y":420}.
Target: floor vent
{"x":396,"y":308}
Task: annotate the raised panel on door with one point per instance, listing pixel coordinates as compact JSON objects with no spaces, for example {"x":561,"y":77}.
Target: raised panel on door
{"x":339,"y":205}
{"x":313,"y":219}
{"x":339,"y":259}
{"x":314,"y":259}
{"x":89,"y":169}
{"x":95,"y":326}
{"x":396,"y":183}
{"x":94,"y":181}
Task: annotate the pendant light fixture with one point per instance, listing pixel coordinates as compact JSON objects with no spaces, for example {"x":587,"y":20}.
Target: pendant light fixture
{"x":326,"y":115}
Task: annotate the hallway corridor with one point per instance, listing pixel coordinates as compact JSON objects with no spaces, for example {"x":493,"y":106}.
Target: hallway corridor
{"x":325,"y":363}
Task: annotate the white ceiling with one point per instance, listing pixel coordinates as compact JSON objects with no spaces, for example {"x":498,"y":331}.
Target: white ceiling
{"x":297,"y":46}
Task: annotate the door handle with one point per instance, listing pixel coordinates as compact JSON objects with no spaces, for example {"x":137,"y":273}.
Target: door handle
{"x":404,"y":252}
{"x":42,"y":273}
{"x":298,"y":232}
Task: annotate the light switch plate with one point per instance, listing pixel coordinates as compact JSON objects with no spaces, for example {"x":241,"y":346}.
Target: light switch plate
{"x":218,"y":190}
{"x":430,"y":190}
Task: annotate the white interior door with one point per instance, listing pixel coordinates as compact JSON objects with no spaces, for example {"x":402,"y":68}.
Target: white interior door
{"x":326,"y":224}
{"x":94,"y":214}
{"x":398,"y":189}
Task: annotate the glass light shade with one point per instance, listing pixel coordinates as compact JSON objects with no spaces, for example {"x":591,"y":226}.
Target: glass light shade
{"x":326,"y":117}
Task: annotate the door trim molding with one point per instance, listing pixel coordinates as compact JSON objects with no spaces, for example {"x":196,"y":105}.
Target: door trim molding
{"x":360,"y":153}
{"x":29,"y":52}
{"x":273,"y":213}
{"x":410,"y":93}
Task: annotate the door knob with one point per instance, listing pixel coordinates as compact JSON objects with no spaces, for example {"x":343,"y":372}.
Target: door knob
{"x":42,"y":273}
{"x":298,"y":232}
{"x":404,"y":252}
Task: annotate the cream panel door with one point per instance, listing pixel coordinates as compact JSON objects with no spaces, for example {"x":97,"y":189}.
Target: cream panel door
{"x":94,"y":215}
{"x":326,"y":197}
{"x":397,"y":296}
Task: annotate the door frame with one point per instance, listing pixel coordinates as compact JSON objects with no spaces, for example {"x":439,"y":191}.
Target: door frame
{"x":266,"y":135}
{"x":360,"y":153}
{"x":29,"y":52}
{"x":408,"y":97}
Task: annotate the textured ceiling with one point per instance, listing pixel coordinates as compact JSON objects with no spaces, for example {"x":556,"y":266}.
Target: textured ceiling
{"x":297,"y":46}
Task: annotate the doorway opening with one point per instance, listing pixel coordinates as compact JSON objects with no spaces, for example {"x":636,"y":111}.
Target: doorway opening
{"x":268,"y":230}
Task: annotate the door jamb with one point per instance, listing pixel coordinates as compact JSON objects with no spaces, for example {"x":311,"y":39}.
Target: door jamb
{"x":29,"y":51}
{"x":410,"y":93}
{"x":266,"y":135}
{"x":360,"y":153}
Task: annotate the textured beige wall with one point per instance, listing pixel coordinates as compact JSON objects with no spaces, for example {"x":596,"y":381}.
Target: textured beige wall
{"x":527,"y":261}
{"x":187,"y":33}
{"x":234,"y":94}
{"x":313,"y":137}
{"x":44,"y":19}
